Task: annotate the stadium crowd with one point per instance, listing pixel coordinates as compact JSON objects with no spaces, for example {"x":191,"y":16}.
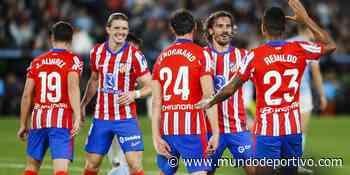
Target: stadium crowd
{"x":24,"y":23}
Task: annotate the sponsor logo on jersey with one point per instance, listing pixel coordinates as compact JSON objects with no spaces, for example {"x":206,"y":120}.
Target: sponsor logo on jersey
{"x":269,"y":110}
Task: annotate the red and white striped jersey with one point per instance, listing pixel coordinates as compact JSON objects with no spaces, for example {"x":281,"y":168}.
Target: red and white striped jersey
{"x":49,"y":71}
{"x":117,"y":73}
{"x":179,"y":69}
{"x":232,"y":115}
{"x":277,"y":68}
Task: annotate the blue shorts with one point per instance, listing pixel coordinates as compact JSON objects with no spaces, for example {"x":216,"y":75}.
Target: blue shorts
{"x":102,"y":132}
{"x":240,"y":145}
{"x":188,"y":147}
{"x":278,"y":147}
{"x":58,"y":139}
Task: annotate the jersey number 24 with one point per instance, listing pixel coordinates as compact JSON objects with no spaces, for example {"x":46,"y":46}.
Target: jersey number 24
{"x":181,"y":79}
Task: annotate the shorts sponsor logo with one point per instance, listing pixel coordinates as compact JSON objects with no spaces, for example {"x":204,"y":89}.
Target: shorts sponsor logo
{"x":130,"y":138}
{"x":135,"y":143}
{"x":243,"y":148}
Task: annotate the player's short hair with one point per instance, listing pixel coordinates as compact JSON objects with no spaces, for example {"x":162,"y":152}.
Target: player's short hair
{"x":209,"y":22}
{"x":133,"y":38}
{"x":62,"y":31}
{"x":274,"y":21}
{"x":116,"y":16}
{"x":182,"y":22}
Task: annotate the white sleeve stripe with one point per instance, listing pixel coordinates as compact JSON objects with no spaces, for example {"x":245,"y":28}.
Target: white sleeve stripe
{"x":98,"y":55}
{"x":139,"y":60}
{"x":311,"y":48}
{"x":207,"y":61}
{"x":247,"y":62}
{"x":238,"y":57}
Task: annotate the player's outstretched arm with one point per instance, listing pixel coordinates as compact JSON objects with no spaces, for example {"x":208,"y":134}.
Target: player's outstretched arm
{"x":74,"y":98}
{"x":319,"y":34}
{"x":26,"y":105}
{"x":159,"y":144}
{"x":229,"y":89}
{"x":212,"y":112}
{"x":90,"y":91}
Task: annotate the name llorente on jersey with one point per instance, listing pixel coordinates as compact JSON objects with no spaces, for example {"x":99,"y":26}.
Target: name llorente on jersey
{"x":182,"y":52}
{"x":280,"y":58}
{"x":51,"y":61}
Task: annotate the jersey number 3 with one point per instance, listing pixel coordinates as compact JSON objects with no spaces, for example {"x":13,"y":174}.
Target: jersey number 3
{"x":181,"y":79}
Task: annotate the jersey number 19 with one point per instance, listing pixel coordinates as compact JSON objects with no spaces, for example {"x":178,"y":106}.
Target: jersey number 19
{"x":50,"y":87}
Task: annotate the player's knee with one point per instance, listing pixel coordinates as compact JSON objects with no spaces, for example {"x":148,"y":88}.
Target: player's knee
{"x":134,"y":160}
{"x":33,"y":165}
{"x":135,"y":167}
{"x":60,"y":165}
{"x":92,"y":164}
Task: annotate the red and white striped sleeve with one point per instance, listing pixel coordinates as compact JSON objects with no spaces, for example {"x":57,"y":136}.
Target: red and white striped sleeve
{"x":140,"y":64}
{"x":206,"y":64}
{"x":93,"y":60}
{"x":311,"y":50}
{"x":247,"y":67}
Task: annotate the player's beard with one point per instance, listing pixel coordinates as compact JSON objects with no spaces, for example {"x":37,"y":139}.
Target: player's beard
{"x":224,"y":42}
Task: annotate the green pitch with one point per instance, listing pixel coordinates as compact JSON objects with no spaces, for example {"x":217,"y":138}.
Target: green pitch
{"x":328,"y":137}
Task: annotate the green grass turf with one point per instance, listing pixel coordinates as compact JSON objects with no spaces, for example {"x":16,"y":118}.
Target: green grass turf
{"x":327,"y":137}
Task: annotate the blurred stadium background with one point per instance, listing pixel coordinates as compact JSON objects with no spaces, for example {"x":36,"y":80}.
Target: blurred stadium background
{"x":24,"y":34}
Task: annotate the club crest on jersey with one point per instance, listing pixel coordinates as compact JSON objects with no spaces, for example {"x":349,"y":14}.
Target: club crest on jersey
{"x":233,"y":67}
{"x":123,"y":67}
{"x":219,"y":82}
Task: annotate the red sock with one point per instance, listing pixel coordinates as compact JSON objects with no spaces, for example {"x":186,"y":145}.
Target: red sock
{"x":88,"y":172}
{"x":29,"y":172}
{"x":139,"y":173}
{"x":61,"y":173}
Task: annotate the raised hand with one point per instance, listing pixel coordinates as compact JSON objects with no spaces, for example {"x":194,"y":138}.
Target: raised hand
{"x":300,"y":13}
